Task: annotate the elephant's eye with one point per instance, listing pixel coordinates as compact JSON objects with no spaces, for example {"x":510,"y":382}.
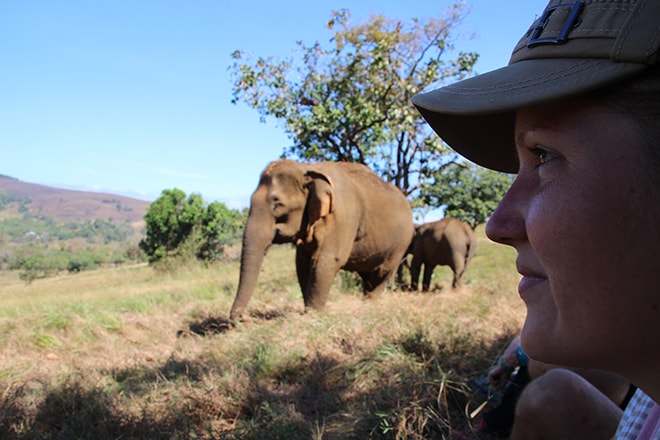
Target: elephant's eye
{"x":275,"y":202}
{"x":279,"y":212}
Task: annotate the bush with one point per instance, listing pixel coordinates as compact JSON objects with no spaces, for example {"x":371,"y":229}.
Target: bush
{"x":185,"y":227}
{"x":39,"y":261}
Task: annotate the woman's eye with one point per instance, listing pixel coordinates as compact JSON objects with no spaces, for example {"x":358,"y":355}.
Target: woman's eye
{"x":543,"y":155}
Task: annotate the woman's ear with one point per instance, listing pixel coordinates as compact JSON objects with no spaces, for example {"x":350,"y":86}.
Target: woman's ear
{"x":321,"y":196}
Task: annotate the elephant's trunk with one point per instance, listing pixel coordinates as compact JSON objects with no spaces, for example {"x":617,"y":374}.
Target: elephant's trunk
{"x":257,"y":238}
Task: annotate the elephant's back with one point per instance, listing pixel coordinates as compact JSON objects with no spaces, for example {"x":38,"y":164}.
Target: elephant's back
{"x":362,"y":189}
{"x":447,"y":230}
{"x":375,"y":211}
{"x":459,"y":234}
{"x":359,"y":174}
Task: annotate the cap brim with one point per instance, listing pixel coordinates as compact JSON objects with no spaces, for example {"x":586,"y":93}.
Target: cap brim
{"x":475,"y":116}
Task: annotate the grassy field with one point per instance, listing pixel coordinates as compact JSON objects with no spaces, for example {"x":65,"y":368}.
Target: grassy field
{"x":131,"y":353}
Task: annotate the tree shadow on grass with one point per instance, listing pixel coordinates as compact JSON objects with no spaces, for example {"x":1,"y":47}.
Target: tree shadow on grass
{"x":72,"y":410}
{"x":342,"y":396}
{"x":214,"y":325}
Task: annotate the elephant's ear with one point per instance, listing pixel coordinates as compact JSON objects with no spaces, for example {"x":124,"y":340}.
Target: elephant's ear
{"x":321,"y":195}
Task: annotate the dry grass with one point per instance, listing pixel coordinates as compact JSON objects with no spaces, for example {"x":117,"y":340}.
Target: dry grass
{"x":131,"y":353}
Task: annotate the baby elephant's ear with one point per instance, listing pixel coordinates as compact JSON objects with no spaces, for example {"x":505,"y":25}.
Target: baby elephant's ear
{"x":321,"y":196}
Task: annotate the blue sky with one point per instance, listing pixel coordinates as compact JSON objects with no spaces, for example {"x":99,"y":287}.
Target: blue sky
{"x":133,"y":96}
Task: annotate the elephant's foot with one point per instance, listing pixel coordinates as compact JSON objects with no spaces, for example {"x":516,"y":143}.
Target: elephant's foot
{"x":412,"y":288}
{"x":314,"y":304}
{"x":374,"y":293}
{"x":242,"y":318}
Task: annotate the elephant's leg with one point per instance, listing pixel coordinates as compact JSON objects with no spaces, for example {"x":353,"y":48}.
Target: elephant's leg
{"x":323,"y":270}
{"x":302,"y":269}
{"x":458,"y":267}
{"x":373,"y":283}
{"x":400,"y":282}
{"x":428,"y":273}
{"x":415,"y":269}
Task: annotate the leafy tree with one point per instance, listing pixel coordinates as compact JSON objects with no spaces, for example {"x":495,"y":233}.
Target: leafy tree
{"x":351,"y":102}
{"x":220,"y":227}
{"x":169,"y":221}
{"x":468,"y":192}
{"x":180,"y":226}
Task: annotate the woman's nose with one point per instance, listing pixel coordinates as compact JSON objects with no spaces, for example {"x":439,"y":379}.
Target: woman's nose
{"x":507,"y":225}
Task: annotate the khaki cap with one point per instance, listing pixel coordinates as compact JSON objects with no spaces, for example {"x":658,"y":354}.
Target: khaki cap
{"x":574,"y":47}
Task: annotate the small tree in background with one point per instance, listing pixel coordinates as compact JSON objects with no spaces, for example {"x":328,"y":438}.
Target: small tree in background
{"x":220,"y":227}
{"x":468,"y":192}
{"x":166,"y":222}
{"x":182,"y":226}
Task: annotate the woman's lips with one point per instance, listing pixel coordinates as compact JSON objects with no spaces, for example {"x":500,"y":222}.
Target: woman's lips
{"x":528,"y":283}
{"x":531,"y":279}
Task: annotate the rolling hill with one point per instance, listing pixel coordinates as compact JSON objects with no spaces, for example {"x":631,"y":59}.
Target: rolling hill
{"x":69,"y":205}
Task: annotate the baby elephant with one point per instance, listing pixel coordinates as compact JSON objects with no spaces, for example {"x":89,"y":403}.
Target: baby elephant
{"x":447,"y":242}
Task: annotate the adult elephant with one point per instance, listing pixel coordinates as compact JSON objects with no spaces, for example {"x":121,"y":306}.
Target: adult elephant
{"x":447,"y":242}
{"x":338,"y":215}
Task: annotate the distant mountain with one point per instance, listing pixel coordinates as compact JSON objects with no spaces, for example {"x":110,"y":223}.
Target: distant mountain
{"x":69,"y":205}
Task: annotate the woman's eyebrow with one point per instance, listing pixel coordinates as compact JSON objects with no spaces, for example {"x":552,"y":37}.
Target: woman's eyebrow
{"x":520,"y":138}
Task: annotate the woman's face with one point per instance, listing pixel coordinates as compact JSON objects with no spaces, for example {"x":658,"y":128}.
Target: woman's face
{"x":585,"y":221}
